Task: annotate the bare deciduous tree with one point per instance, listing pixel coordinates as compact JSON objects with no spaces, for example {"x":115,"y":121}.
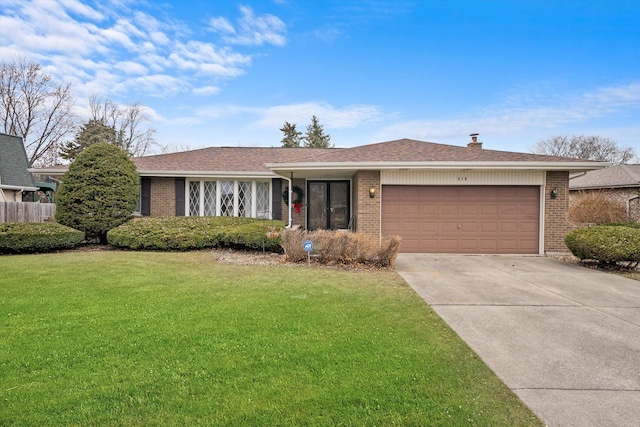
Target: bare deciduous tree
{"x":589,"y":147}
{"x":129,"y":121}
{"x":35,"y":107}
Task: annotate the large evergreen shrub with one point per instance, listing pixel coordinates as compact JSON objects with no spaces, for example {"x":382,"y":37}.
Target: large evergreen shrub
{"x":187,"y":233}
{"x":99,"y":192}
{"x":606,"y":244}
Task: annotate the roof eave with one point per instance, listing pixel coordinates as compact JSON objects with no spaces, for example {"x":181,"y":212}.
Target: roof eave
{"x":18,"y":188}
{"x":205,"y":174}
{"x":603,"y":186}
{"x":550,"y":166}
{"x":50,"y":172}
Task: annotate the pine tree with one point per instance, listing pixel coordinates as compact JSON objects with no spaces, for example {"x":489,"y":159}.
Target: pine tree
{"x":315,"y":137}
{"x":291,"y":135}
{"x":90,"y":133}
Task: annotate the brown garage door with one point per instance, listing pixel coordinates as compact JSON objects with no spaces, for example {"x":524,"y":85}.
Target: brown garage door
{"x":469,"y":219}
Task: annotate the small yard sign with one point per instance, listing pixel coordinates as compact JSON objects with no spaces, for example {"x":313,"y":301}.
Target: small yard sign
{"x":308,"y":247}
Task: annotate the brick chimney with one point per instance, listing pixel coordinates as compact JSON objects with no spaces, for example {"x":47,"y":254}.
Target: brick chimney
{"x":474,"y":142}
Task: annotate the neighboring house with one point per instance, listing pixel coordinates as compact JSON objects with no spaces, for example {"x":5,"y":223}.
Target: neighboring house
{"x":620,"y":184}
{"x":438,"y":198}
{"x":15,"y":179}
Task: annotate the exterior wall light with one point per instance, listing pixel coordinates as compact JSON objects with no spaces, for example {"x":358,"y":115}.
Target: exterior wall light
{"x":554,"y":193}
{"x":372,"y":192}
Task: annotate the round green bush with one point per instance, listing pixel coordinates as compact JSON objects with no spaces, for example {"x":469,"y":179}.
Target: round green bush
{"x":99,"y":191}
{"x":18,"y":238}
{"x":186,"y":233}
{"x":606,"y":244}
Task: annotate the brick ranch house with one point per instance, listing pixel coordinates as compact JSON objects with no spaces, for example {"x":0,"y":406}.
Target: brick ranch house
{"x":620,"y":184}
{"x":438,"y":198}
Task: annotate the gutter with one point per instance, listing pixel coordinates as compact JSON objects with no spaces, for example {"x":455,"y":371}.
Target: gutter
{"x":547,"y":166}
{"x":18,"y":188}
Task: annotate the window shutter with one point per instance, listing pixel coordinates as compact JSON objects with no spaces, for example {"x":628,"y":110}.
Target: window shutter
{"x":276,"y":202}
{"x":180,"y":196}
{"x":145,"y":196}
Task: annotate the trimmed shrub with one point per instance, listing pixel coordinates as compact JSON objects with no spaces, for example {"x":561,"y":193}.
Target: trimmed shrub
{"x":186,"y":233}
{"x":339,"y":247}
{"x":605,"y":244}
{"x":37,"y":237}
{"x":99,"y":191}
{"x":593,"y":207}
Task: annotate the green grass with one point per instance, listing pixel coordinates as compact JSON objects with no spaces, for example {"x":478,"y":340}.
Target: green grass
{"x":138,"y":339}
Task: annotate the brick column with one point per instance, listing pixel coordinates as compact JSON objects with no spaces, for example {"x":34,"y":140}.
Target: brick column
{"x":367,"y":209}
{"x":556,"y":225}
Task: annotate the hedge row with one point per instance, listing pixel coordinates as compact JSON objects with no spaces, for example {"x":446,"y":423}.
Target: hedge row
{"x":185,"y":233}
{"x":18,"y":238}
{"x":607,"y":244}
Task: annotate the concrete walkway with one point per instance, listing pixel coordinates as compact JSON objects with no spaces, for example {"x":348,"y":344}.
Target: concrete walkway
{"x":564,"y":338}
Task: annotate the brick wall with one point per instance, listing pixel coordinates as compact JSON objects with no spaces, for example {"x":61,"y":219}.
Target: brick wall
{"x":627,"y":197}
{"x":367,"y":209}
{"x":163,"y":197}
{"x":555,"y":212}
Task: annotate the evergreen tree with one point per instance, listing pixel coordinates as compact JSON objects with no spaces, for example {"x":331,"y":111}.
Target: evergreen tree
{"x":315,"y":137}
{"x":99,"y":191}
{"x":291,"y":135}
{"x":91,"y":132}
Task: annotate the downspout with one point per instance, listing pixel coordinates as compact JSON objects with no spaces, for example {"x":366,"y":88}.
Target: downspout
{"x":290,"y":198}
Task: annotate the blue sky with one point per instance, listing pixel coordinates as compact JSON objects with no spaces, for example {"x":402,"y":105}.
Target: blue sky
{"x":226,"y":73}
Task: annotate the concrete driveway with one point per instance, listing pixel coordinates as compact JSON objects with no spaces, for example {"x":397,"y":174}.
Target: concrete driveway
{"x":564,"y":338}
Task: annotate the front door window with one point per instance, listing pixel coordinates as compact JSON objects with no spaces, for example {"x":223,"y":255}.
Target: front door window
{"x":328,"y":205}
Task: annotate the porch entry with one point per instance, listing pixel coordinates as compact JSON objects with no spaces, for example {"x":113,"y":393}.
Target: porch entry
{"x":328,"y":204}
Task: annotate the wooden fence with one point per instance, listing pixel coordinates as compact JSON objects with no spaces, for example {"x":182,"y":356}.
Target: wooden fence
{"x":27,"y":212}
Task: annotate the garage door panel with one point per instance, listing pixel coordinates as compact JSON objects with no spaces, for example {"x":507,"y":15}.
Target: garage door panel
{"x":489,"y":227}
{"x":469,"y":210}
{"x":448,"y":227}
{"x":508,"y":227}
{"x":463,"y":219}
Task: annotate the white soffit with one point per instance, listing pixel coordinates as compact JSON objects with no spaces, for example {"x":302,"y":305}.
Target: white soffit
{"x":471,"y":177}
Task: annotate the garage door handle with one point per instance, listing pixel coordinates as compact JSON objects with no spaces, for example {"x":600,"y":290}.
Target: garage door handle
{"x":459,"y":227}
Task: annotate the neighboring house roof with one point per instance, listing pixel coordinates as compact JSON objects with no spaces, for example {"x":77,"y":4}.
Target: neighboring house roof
{"x":619,"y":176}
{"x":403,"y":153}
{"x":14,"y":165}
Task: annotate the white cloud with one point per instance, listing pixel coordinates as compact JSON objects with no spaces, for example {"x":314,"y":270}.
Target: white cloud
{"x":99,"y":48}
{"x":79,"y":8}
{"x":252,"y":29}
{"x":130,"y":67}
{"x":547,"y":115}
{"x":222,"y":25}
{"x":206,"y":90}
{"x":331,"y":117}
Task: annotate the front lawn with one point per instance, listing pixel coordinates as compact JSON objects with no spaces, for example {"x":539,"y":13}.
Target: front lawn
{"x":136,"y":338}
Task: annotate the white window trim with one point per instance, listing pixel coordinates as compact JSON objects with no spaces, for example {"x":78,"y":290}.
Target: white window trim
{"x":236,"y":205}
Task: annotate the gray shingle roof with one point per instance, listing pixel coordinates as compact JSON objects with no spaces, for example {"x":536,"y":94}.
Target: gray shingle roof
{"x":14,"y":162}
{"x":244,"y":159}
{"x":225,"y":159}
{"x":612,"y":177}
{"x":255,"y":159}
{"x":410,"y":150}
